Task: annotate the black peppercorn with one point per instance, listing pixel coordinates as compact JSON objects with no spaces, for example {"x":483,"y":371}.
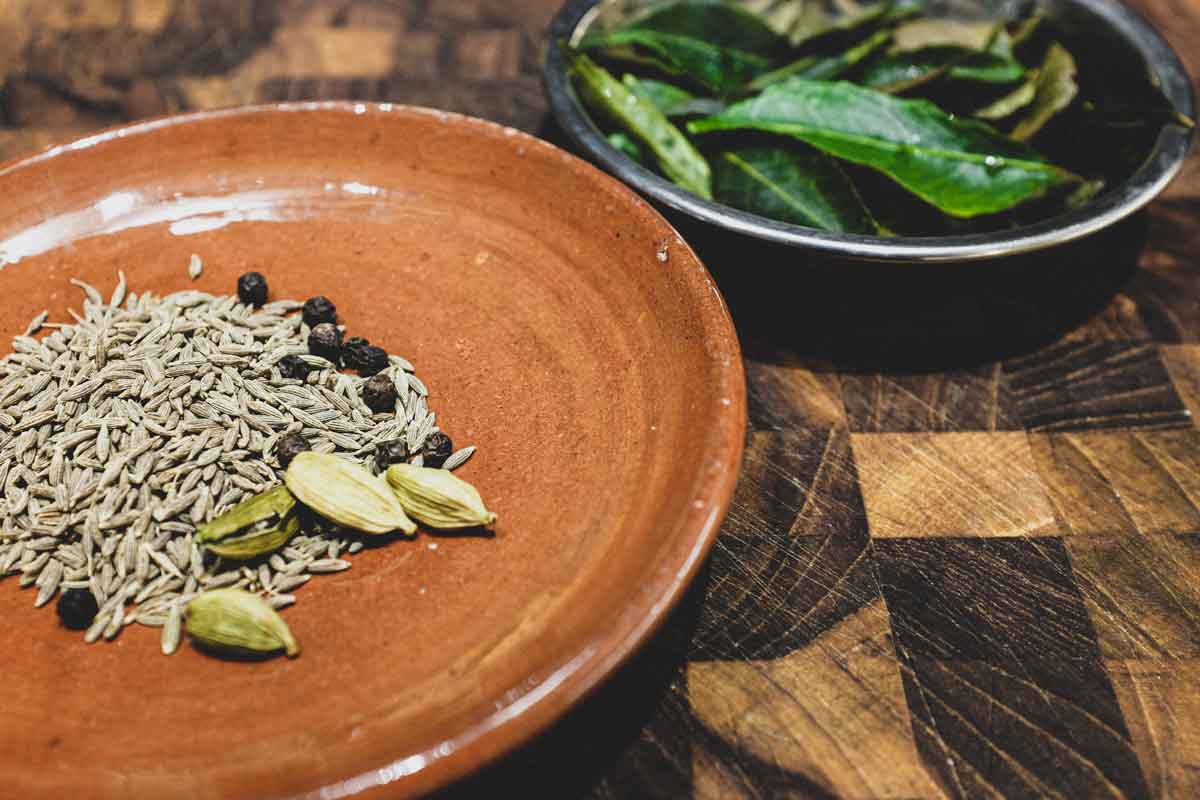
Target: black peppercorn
{"x":437,"y":449}
{"x":379,"y":393}
{"x":319,"y":309}
{"x":394,"y":451}
{"x":293,"y":367}
{"x":374,"y":361}
{"x":289,"y":447}
{"x":354,"y":352}
{"x":77,"y":608}
{"x":326,"y":341}
{"x":252,"y":289}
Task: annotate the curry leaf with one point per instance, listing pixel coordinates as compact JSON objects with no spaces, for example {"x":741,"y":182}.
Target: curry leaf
{"x":822,"y":69}
{"x":1012,"y":102}
{"x":671,"y":100}
{"x":627,"y":146}
{"x":1084,"y":194}
{"x":719,"y":23}
{"x":1054,"y":90}
{"x":1158,"y":113}
{"x":717,"y":45}
{"x":902,"y":71}
{"x":719,"y":69}
{"x":923,"y":33}
{"x":798,"y":20}
{"x":995,"y":65}
{"x":809,"y":20}
{"x":988,"y":68}
{"x":1027,"y":27}
{"x":803,"y":21}
{"x":899,"y":10}
{"x":802,"y":187}
{"x":675,"y":155}
{"x":864,"y":17}
{"x":964,"y":167}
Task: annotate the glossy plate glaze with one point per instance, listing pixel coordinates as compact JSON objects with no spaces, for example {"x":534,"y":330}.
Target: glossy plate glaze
{"x":562,"y":327}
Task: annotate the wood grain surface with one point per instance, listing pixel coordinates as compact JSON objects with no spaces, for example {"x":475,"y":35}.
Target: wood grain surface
{"x":964,"y":555}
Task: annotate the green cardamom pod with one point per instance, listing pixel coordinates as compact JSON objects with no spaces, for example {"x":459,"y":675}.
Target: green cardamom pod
{"x":234,"y":621}
{"x":438,"y":497}
{"x":258,"y":540}
{"x":346,"y":493}
{"x":254,"y":527}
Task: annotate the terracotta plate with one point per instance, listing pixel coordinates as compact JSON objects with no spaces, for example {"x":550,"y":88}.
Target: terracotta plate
{"x":563,"y":328}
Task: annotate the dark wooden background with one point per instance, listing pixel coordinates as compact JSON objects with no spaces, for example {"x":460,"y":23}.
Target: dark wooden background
{"x":964,"y":556}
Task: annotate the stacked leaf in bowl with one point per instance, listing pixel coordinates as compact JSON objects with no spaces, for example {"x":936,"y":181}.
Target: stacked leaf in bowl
{"x":881,"y":121}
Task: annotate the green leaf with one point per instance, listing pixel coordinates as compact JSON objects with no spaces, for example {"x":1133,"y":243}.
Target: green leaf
{"x":802,"y":21}
{"x":1012,"y":102}
{"x":719,"y":23}
{"x":1084,"y":194}
{"x":717,"y":45}
{"x":1161,"y":113}
{"x":802,"y":187}
{"x":873,"y":15}
{"x":673,"y":153}
{"x":900,"y":10}
{"x":994,"y":65}
{"x":796,"y":20}
{"x":671,"y":100}
{"x":628,"y":147}
{"x":987,"y":68}
{"x":921,"y":34}
{"x":1027,"y":27}
{"x":720,"y":69}
{"x":964,"y":167}
{"x":822,"y":69}
{"x":810,"y":20}
{"x":1054,"y":91}
{"x":902,"y":71}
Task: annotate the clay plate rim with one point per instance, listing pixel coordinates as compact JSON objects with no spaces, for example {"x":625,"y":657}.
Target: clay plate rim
{"x":505,"y":730}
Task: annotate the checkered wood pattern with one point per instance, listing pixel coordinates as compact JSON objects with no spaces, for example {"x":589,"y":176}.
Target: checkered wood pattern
{"x":964,"y":556}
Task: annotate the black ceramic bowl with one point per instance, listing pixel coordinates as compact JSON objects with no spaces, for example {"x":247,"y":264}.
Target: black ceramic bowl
{"x":1125,"y":40}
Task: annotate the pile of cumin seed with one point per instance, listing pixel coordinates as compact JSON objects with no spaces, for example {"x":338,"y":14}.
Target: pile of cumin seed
{"x":147,"y":416}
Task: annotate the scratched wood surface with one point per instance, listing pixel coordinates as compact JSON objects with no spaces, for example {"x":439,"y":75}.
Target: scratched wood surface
{"x":964,"y":555}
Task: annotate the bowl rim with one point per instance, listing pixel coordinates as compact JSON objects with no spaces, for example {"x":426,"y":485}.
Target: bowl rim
{"x":563,"y":685}
{"x":1161,"y":165}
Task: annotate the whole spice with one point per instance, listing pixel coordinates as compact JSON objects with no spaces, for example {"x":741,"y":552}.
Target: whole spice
{"x":317,"y":310}
{"x":379,"y":393}
{"x":354,"y":352}
{"x":237,"y":622}
{"x":155,"y":414}
{"x":172,"y":630}
{"x":289,"y":446}
{"x":252,"y":528}
{"x":77,"y":608}
{"x":256,"y":540}
{"x":294,"y":367}
{"x":325,"y":341}
{"x":346,"y":494}
{"x":438,"y":497}
{"x":438,"y":447}
{"x":375,"y":360}
{"x":252,"y":289}
{"x":390,"y":452}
